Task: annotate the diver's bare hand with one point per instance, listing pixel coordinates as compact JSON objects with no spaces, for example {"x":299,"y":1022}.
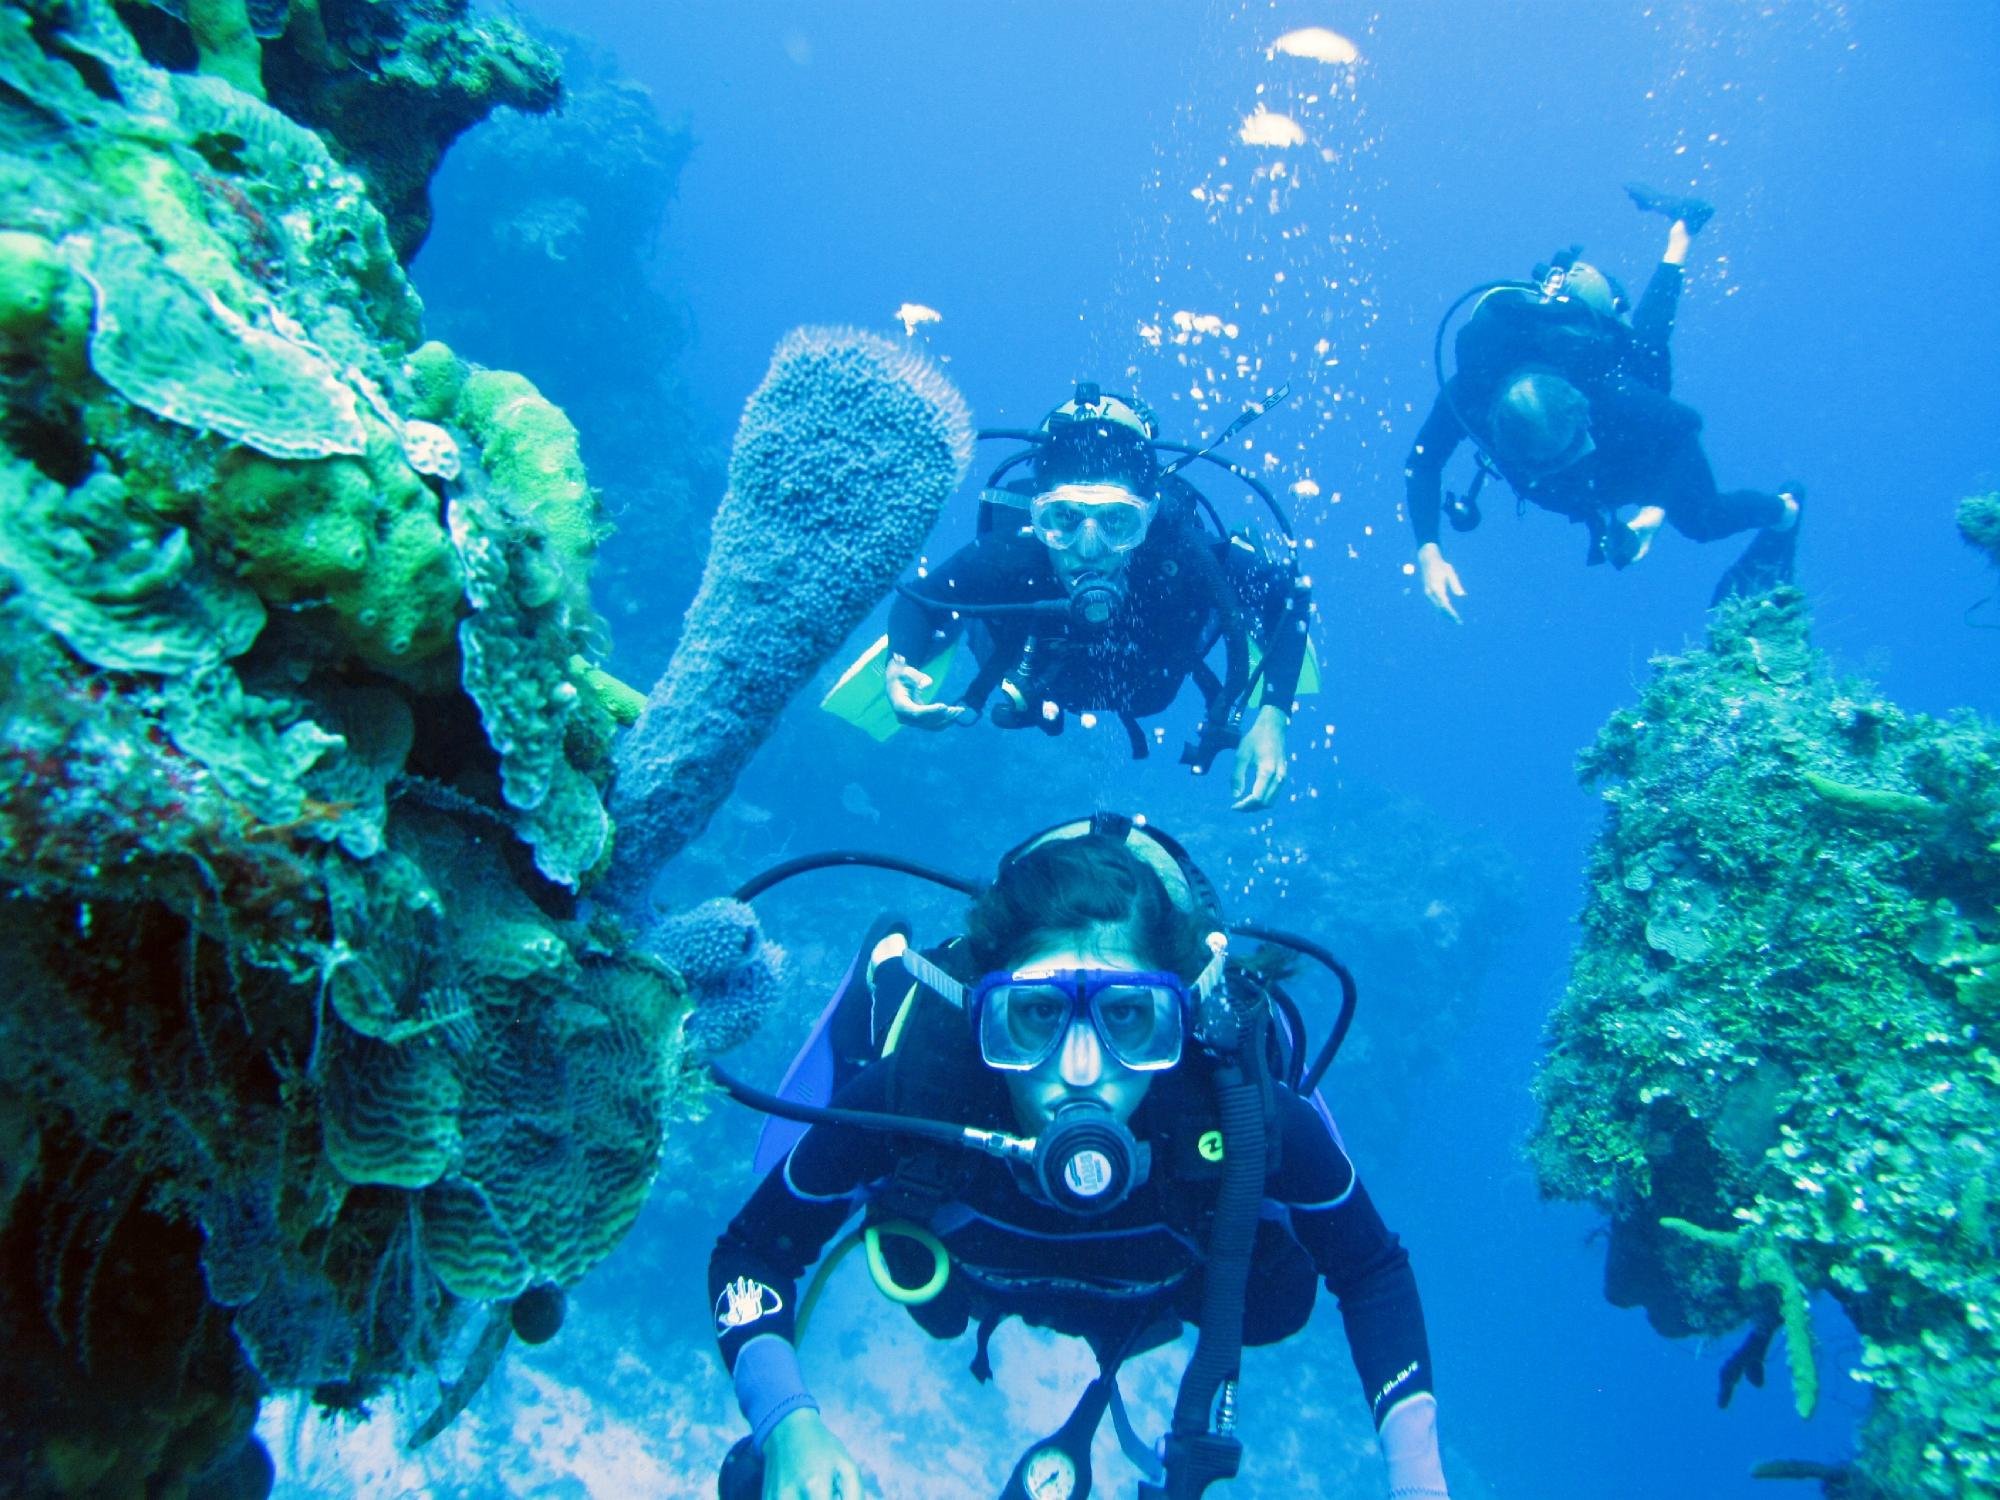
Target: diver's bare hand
{"x":1260,"y":760}
{"x":904,"y":683}
{"x":803,"y":1460}
{"x":1440,"y":579}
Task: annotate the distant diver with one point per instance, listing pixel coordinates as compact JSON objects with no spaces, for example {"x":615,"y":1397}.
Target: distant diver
{"x":1569,"y":404}
{"x":1085,"y":1112}
{"x":1094,"y":586}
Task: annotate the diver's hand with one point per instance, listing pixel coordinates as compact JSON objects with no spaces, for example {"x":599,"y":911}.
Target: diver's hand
{"x":803,"y":1460}
{"x":904,"y":683}
{"x":1260,"y":760}
{"x":1440,"y":578}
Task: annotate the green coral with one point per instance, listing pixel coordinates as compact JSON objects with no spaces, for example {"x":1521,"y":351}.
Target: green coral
{"x":1979,"y":523}
{"x":227,"y":44}
{"x":299,"y":1055}
{"x":359,"y":536}
{"x":123,"y":590}
{"x":1809,"y":1059}
{"x":1764,"y":1264}
{"x":529,"y":449}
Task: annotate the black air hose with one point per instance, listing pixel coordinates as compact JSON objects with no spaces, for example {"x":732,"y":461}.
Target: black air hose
{"x":1218,"y":1350}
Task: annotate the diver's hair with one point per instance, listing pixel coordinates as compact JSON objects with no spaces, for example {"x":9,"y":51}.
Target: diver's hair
{"x":1069,"y":886}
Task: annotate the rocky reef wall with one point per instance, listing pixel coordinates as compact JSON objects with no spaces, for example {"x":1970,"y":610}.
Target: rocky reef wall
{"x":1775,"y":1067}
{"x":309,"y":1052}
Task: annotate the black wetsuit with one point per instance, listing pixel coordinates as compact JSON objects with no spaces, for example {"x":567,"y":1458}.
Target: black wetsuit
{"x":1182,"y":584}
{"x":1648,"y":446}
{"x":1096,"y":1277}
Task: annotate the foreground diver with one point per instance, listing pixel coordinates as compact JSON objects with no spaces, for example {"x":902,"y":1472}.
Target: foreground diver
{"x":1569,"y":404}
{"x":1107,"y":595}
{"x":1180,"y":1170}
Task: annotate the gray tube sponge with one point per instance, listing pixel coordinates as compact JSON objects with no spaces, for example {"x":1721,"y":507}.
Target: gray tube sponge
{"x":730,"y":969}
{"x":844,"y":457}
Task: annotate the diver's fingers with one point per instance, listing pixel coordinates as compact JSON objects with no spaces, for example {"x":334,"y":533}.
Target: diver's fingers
{"x":846,"y":1480}
{"x":935,"y":715}
{"x":1239,"y":779}
{"x":1265,"y":792}
{"x":1277,"y":780}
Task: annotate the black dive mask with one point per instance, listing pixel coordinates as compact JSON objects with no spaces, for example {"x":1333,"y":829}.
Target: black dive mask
{"x":1086,"y":1162}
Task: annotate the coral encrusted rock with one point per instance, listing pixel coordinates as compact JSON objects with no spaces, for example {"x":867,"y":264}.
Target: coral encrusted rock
{"x":307,"y":1048}
{"x":1775,"y":1068}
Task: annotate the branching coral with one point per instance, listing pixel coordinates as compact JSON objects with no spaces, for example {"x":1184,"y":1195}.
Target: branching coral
{"x":1809,"y":1061}
{"x":843,"y":458}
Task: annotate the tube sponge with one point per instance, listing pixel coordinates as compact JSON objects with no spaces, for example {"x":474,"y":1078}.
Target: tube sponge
{"x":730,"y":970}
{"x":844,"y":457}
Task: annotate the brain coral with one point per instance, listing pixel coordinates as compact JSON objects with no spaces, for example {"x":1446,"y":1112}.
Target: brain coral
{"x":841,"y":462}
{"x":1774,"y":1065}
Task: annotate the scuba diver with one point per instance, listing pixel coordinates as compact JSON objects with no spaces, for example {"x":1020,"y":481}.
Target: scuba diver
{"x":1093,"y":586}
{"x":1570,"y":404}
{"x":1134,"y":1142}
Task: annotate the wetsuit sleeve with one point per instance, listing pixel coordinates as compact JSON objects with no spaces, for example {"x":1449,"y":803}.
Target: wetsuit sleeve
{"x":1277,"y":604}
{"x":1362,"y":1261}
{"x":988,"y":571}
{"x":1423,"y":470}
{"x":754,"y":1271}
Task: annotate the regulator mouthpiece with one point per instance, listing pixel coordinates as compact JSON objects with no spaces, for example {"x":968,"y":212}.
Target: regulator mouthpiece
{"x":1087,"y":1162}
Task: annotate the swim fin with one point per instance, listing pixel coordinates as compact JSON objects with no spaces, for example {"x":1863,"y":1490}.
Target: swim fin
{"x":1308,"y":674}
{"x":861,"y":698}
{"x":1693,"y":212}
{"x":1767,"y":562}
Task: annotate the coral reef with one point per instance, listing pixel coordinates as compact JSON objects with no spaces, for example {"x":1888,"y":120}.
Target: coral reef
{"x":1773,"y":1067}
{"x":390,"y":84}
{"x":573,"y":203}
{"x":1979,"y":523}
{"x":306,"y":1050}
{"x":844,"y":456}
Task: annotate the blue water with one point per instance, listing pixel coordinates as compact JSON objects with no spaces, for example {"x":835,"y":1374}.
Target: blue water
{"x":1029,"y":170}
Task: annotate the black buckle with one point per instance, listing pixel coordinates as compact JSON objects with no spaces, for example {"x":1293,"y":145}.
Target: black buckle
{"x":1194,"y":1461}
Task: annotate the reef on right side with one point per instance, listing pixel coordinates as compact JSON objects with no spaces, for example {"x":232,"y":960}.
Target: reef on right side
{"x":1979,"y":524}
{"x":1775,"y":1067}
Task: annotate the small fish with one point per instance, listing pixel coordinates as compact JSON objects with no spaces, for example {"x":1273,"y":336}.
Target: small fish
{"x":854,"y":798}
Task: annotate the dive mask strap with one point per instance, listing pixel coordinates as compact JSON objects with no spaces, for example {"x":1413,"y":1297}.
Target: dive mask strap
{"x":1213,"y":971}
{"x":932,"y":977}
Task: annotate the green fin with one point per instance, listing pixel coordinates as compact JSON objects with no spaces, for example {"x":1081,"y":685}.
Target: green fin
{"x":860,"y":698}
{"x":1308,"y":674}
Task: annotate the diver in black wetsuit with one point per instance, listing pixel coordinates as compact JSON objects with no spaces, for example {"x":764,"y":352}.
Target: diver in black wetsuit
{"x":1570,"y":405}
{"x":1095,"y":1017}
{"x":1149,"y":593}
